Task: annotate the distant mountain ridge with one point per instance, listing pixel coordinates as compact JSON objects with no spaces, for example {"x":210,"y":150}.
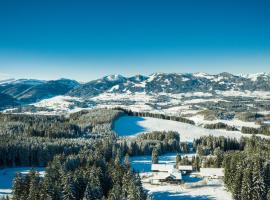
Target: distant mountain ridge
{"x":25,"y":91}
{"x":174,"y":83}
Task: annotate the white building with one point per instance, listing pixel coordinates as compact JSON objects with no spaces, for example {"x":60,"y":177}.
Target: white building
{"x":162,"y":167}
{"x":168,"y":177}
{"x":212,"y":172}
{"x":165,"y":173}
{"x":185,"y":168}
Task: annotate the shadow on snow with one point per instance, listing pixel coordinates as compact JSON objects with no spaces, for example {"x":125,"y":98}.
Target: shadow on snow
{"x":128,"y":126}
{"x":176,"y":196}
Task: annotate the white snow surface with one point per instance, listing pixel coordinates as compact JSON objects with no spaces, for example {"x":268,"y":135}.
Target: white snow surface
{"x":7,"y":175}
{"x":255,"y":94}
{"x":199,"y":121}
{"x":254,"y":77}
{"x":58,"y":103}
{"x":131,"y":126}
{"x":114,"y":77}
{"x":213,"y":190}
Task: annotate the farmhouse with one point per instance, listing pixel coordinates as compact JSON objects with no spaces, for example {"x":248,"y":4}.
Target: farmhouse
{"x":165,"y":173}
{"x":174,"y":177}
{"x":212,"y":172}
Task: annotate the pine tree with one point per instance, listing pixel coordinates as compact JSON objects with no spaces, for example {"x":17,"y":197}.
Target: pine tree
{"x":34,"y":190}
{"x":237,"y":184}
{"x":178,"y":159}
{"x":92,"y":192}
{"x":68,"y":188}
{"x":219,"y":157}
{"x":116,"y":193}
{"x":126,"y":161}
{"x":155,"y":156}
{"x":93,"y":189}
{"x":125,"y":182}
{"x":246,"y":190}
{"x":197,"y":163}
{"x":18,"y":187}
{"x":134,"y":192}
{"x":259,"y":188}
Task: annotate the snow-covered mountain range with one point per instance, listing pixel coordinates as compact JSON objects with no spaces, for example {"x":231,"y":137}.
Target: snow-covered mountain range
{"x":174,"y":83}
{"x":159,"y":90}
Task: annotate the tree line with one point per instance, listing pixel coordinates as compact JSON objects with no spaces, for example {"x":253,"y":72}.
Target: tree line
{"x":163,"y":142}
{"x":156,"y":115}
{"x":264,"y":130}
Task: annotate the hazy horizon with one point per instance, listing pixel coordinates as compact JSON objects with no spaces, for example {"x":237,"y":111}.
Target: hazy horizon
{"x":4,"y":77}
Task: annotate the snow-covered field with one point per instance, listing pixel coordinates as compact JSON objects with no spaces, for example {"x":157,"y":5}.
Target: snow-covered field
{"x":199,"y":120}
{"x":7,"y":175}
{"x":213,"y":190}
{"x":130,"y":126}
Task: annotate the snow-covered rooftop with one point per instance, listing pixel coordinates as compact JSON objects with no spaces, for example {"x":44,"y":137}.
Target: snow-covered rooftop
{"x":185,"y":167}
{"x":163,"y":167}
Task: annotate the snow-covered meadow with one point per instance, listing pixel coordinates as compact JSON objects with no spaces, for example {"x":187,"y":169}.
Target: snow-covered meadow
{"x":213,"y":190}
{"x":131,"y":126}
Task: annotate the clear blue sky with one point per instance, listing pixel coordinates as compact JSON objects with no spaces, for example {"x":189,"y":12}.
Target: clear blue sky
{"x":84,"y":40}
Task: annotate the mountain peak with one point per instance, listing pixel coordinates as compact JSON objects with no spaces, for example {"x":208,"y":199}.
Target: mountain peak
{"x":114,"y":77}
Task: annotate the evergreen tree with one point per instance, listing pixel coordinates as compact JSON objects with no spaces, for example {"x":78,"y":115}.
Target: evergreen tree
{"x":259,"y":188}
{"x":219,"y":157}
{"x":246,"y":190}
{"x":116,"y":193}
{"x":68,"y":188}
{"x":18,"y":187}
{"x":92,"y":192}
{"x":178,"y":159}
{"x":155,"y":156}
{"x":197,"y":163}
{"x":34,"y":190}
{"x":237,"y":184}
{"x":126,"y":161}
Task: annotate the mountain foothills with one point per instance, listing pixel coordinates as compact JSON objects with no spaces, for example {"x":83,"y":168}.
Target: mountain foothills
{"x":25,"y":91}
{"x":28,"y":91}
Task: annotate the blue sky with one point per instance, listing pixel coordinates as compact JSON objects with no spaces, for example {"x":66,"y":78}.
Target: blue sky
{"x":84,"y":40}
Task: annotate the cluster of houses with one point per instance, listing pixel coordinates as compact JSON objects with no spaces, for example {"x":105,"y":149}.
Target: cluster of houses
{"x":170,"y":173}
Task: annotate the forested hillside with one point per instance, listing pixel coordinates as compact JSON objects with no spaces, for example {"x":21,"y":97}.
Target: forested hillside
{"x":79,"y":151}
